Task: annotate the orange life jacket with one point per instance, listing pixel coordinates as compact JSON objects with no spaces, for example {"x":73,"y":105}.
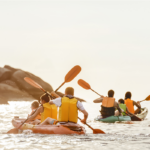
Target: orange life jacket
{"x":129,"y":104}
{"x":108,"y":102}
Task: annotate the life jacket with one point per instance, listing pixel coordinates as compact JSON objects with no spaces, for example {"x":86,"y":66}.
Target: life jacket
{"x":37,"y":117}
{"x":107,"y":107}
{"x":68,"y":111}
{"x":49,"y":111}
{"x":123,"y":106}
{"x":129,"y":104}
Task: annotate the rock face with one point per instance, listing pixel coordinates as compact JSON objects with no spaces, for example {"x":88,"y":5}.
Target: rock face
{"x":14,"y":88}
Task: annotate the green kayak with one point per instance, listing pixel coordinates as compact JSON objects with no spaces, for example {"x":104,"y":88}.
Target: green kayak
{"x":112,"y":119}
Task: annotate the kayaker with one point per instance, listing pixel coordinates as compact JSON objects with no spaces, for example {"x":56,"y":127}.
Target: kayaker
{"x":124,"y":108}
{"x":46,"y":110}
{"x":34,"y":106}
{"x":68,"y":109}
{"x":109,"y":105}
{"x":130,"y":103}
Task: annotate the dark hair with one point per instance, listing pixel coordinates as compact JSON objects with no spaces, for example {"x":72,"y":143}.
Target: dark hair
{"x":110,"y":93}
{"x":128,"y":95}
{"x":121,"y":101}
{"x":45,"y":97}
{"x":35,"y":104}
{"x":69,"y":91}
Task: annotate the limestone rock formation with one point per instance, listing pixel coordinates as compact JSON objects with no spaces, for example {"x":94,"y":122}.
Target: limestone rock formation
{"x":14,"y":88}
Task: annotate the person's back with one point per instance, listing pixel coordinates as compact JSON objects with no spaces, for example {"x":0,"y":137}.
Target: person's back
{"x":107,"y":107}
{"x":122,"y":106}
{"x":108,"y":104}
{"x":130,"y":103}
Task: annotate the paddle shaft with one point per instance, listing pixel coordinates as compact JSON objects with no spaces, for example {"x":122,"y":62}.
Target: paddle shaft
{"x":86,"y":124}
{"x":60,"y":86}
{"x":96,"y":92}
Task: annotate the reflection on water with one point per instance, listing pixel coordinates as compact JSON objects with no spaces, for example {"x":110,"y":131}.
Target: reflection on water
{"x":118,"y":136}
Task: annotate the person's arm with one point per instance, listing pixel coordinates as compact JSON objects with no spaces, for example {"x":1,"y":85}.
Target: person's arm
{"x":119,"y":109}
{"x":56,"y":101}
{"x":85,"y":116}
{"x":38,"y":111}
{"x":129,"y":111}
{"x":81,"y":108}
{"x":138,"y":107}
{"x":136,"y":104}
{"x":99,"y":100}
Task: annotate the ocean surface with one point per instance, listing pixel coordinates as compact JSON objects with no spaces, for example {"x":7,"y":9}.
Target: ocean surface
{"x":118,"y":136}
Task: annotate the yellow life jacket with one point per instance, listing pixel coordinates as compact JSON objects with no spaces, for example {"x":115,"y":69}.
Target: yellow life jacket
{"x":129,"y":104}
{"x":108,"y":102}
{"x":68,"y":111}
{"x":49,"y":111}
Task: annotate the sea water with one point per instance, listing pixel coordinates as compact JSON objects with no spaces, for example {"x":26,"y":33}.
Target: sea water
{"x":118,"y":136}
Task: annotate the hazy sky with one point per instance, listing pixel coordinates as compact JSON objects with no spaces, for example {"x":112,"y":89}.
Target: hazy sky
{"x":110,"y":40}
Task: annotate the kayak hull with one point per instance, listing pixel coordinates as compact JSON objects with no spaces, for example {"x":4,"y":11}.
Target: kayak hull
{"x":51,"y":129}
{"x":113,"y":119}
{"x":143,"y":114}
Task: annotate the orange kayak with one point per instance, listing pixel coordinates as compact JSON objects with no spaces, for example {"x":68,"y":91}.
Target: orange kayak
{"x":50,"y":129}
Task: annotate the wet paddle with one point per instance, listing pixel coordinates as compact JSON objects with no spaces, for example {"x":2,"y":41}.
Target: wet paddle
{"x":95,"y":131}
{"x":70,"y":75}
{"x":16,"y":130}
{"x":86,"y":86}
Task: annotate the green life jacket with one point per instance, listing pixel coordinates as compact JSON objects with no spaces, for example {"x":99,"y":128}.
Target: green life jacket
{"x":123,"y":106}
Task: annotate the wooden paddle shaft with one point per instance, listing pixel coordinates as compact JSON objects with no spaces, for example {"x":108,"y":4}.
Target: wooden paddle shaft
{"x":60,"y":86}
{"x":96,"y":92}
{"x":86,"y":124}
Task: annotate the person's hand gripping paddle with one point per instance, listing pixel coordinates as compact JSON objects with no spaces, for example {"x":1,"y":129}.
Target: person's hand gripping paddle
{"x":95,"y":131}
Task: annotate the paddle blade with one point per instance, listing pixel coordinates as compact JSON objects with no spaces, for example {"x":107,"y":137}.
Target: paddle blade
{"x":13,"y":131}
{"x":98,"y":131}
{"x":147,"y":98}
{"x":72,"y":73}
{"x":33,"y":83}
{"x":84,"y":84}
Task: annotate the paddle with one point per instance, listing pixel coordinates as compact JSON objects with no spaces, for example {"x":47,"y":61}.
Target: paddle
{"x":36,"y":85}
{"x":70,"y":75}
{"x":85,"y":85}
{"x":16,"y":130}
{"x":146,"y":99}
{"x":95,"y":131}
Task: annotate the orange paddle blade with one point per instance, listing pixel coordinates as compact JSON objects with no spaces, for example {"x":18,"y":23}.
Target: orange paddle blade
{"x":33,"y":83}
{"x":98,"y":131}
{"x":13,"y":131}
{"x":147,"y":98}
{"x":84,"y":84}
{"x":72,"y":73}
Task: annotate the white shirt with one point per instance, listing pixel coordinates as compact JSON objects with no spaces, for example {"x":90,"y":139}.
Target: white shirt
{"x":57,"y":102}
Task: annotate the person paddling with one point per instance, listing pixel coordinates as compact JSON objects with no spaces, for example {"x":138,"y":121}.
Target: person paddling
{"x":34,"y":106}
{"x":130,"y":103}
{"x":68,"y":109}
{"x":46,"y":110}
{"x":109,"y":105}
{"x":123,"y":107}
